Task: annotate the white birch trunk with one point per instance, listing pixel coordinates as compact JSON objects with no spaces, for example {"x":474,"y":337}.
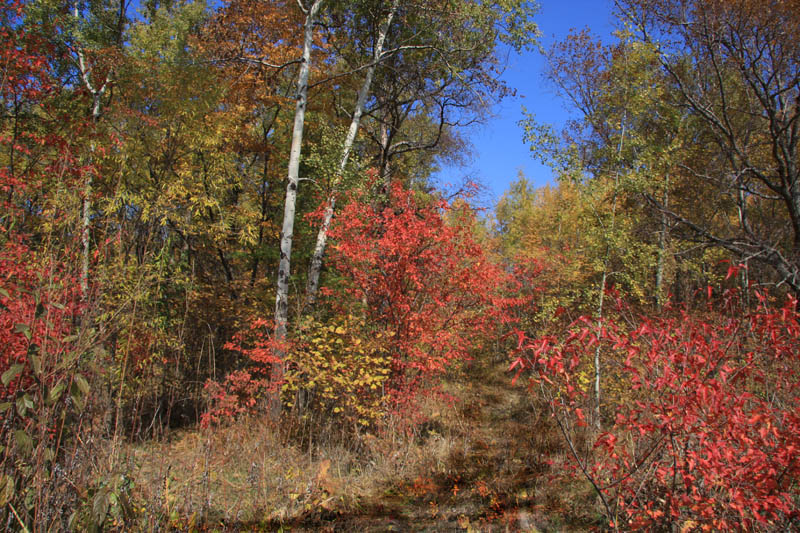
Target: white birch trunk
{"x":662,"y":250}
{"x":603,"y":281}
{"x":385,"y":170}
{"x":597,"y":420}
{"x":85,"y":244}
{"x":312,"y":287}
{"x":287,"y":231}
{"x":86,"y":202}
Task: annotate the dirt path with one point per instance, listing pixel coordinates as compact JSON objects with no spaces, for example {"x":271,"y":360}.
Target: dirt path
{"x":489,"y":461}
{"x":495,"y":477}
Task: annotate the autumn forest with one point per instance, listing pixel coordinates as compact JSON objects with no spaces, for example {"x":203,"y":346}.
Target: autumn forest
{"x":234,"y":297}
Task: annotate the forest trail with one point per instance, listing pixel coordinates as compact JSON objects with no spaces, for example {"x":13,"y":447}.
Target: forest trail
{"x":486,"y":462}
{"x":495,"y":476}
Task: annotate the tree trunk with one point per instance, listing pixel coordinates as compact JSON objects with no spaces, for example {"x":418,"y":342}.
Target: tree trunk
{"x":385,"y":175}
{"x":597,"y":420}
{"x":86,"y":201}
{"x":85,"y":245}
{"x":662,"y":250}
{"x":284,"y":267}
{"x":315,"y":267}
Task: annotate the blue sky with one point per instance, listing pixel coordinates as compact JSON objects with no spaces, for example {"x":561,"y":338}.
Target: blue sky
{"x":498,"y":148}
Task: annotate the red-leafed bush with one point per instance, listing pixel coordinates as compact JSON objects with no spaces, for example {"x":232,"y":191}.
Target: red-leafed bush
{"x":39,"y":300}
{"x":707,"y":436}
{"x":241,"y":390}
{"x":426,"y":281}
{"x":45,"y":351}
{"x":38,"y":303}
{"x":418,"y":293}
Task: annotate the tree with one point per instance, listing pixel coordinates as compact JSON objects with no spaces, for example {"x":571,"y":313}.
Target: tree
{"x":361,"y":100}
{"x":45,"y":356}
{"x":732,"y":68}
{"x":431,"y":77}
{"x":91,"y":40}
{"x":287,"y":229}
{"x":254,"y":46}
{"x":96,"y":84}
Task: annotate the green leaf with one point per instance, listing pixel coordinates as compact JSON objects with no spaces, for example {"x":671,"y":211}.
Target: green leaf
{"x":24,"y":442}
{"x":36,"y":362}
{"x":100,"y":506}
{"x":6,"y":489}
{"x":77,"y":397}
{"x":4,"y":292}
{"x":55,"y":393}
{"x":5,"y":406}
{"x":25,"y":329}
{"x":9,"y":375}
{"x":21,"y":409}
{"x":83,"y":385}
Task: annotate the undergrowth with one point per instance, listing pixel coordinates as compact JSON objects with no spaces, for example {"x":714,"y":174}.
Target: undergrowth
{"x":489,"y":459}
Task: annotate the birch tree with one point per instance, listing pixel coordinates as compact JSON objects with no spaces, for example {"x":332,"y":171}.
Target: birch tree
{"x":281,"y":316}
{"x":429,"y":80}
{"x":96,"y":79}
{"x":733,"y":70}
{"x":322,"y":235}
{"x":96,"y":88}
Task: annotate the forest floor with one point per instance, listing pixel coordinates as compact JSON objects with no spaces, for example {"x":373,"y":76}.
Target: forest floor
{"x":488,"y":461}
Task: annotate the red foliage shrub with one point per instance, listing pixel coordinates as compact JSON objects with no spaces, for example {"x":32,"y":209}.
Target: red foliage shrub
{"x":38,"y":303}
{"x":46,"y":348}
{"x":39,"y":298}
{"x":432,"y":296}
{"x":241,"y":389}
{"x":707,"y":436}
{"x":426,"y":281}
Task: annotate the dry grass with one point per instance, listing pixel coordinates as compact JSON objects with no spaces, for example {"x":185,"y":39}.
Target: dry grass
{"x":491,"y":461}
